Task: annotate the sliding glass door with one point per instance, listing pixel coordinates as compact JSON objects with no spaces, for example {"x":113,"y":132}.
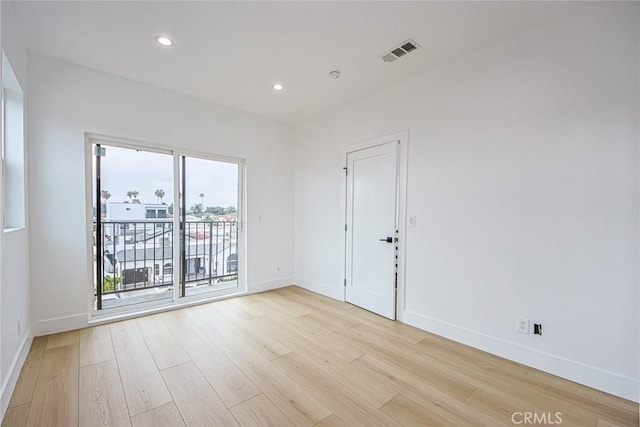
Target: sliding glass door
{"x":133,"y":227}
{"x":165,"y":226}
{"x":210,"y":224}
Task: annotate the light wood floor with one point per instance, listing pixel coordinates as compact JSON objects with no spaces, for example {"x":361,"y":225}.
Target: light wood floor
{"x":282,"y":358}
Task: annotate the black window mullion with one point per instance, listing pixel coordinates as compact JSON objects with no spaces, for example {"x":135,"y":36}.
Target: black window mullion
{"x":99,"y":255}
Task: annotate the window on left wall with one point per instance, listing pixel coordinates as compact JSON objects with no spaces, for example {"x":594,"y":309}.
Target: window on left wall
{"x":13,"y":170}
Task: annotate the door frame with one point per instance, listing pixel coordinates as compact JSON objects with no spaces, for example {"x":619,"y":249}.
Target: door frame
{"x":242,"y":235}
{"x":403,"y":160}
{"x":100,"y":316}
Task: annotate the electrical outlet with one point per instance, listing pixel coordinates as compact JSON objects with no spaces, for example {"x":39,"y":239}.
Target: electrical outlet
{"x":278,"y":269}
{"x":18,"y":327}
{"x":537,"y":328}
{"x":522,"y":325}
{"x":412,"y":221}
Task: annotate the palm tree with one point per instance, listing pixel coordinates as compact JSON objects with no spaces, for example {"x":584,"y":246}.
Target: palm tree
{"x":132,"y":194}
{"x":159,"y":194}
{"x":202,"y":199}
{"x":104,"y":194}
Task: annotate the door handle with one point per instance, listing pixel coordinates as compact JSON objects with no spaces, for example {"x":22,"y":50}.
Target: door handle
{"x":387,"y":239}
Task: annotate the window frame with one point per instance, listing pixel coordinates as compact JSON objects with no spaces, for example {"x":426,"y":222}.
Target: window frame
{"x":98,"y":316}
{"x":14,"y":185}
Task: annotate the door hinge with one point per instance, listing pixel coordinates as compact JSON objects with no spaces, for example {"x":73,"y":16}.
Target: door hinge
{"x":346,"y":171}
{"x":99,"y":151}
{"x":345,"y":227}
{"x":345,"y":282}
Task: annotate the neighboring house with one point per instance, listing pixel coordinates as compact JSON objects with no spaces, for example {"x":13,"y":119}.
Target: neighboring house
{"x":138,"y":246}
{"x":136,"y":211}
{"x":154,"y":265}
{"x":128,"y":223}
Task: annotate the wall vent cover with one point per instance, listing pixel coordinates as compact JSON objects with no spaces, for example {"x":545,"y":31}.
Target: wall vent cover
{"x":399,"y":51}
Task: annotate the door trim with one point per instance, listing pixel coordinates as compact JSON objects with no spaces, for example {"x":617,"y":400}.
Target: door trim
{"x":403,"y":138}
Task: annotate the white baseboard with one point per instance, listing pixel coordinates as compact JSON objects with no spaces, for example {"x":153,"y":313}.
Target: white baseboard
{"x":331,"y":292}
{"x":268,"y":285}
{"x":14,"y":372}
{"x":607,"y":381}
{"x":60,"y":324}
{"x":81,"y":320}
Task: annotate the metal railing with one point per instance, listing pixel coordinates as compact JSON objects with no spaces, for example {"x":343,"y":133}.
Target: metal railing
{"x":137,"y":255}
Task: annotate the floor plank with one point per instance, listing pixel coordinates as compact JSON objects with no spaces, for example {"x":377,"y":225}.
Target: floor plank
{"x":259,"y":411}
{"x":164,"y":347}
{"x":502,"y":406}
{"x":455,"y":352}
{"x":233,"y":317}
{"x":506,"y":383}
{"x":55,"y":399}
{"x":163,"y":416}
{"x":610,"y":408}
{"x":63,"y":339}
{"x":102,"y":401}
{"x":290,"y":308}
{"x":244,"y":307}
{"x":316,"y":331}
{"x":332,"y":421}
{"x":23,"y":391}
{"x":408,"y":412}
{"x":331,"y":394}
{"x":263,"y":344}
{"x":605,"y":423}
{"x":440,"y":376}
{"x":231,"y":384}
{"x":296,"y":403}
{"x":16,"y":416}
{"x":142,"y":383}
{"x":438,"y":401}
{"x":95,"y":345}
{"x":369,"y":389}
{"x":198,"y":404}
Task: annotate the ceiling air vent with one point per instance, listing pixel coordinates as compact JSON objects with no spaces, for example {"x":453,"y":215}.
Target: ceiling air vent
{"x":399,"y":51}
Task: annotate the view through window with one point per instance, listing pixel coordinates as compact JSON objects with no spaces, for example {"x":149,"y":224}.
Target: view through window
{"x":148,"y":246}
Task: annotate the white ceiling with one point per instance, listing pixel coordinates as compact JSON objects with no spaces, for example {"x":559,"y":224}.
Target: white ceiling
{"x":231,"y":52}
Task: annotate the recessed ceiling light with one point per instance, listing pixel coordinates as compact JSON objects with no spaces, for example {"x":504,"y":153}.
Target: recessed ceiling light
{"x":278,"y":86}
{"x":164,"y":41}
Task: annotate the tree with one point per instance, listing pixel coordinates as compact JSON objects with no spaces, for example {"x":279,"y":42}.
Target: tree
{"x":110,"y":282}
{"x":195,"y":209}
{"x":230,"y":210}
{"x":132,"y":194}
{"x":159,"y":194}
{"x":103,"y":206}
{"x":215,"y":210}
{"x":201,"y":198}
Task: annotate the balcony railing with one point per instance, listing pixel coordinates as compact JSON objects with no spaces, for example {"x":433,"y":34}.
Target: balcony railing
{"x":138,"y":255}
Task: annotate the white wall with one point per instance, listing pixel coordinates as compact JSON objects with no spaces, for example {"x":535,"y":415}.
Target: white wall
{"x":14,"y":258}
{"x":65,"y":101}
{"x":523,"y":177}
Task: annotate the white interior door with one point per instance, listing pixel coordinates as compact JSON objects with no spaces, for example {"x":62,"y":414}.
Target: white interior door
{"x":372,"y":202}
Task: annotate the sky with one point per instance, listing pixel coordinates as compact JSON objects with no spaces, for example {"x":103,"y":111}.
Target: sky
{"x":125,"y":170}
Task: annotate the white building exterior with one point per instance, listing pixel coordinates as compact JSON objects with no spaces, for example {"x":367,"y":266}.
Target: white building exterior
{"x":138,"y":246}
{"x":126,"y":211}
